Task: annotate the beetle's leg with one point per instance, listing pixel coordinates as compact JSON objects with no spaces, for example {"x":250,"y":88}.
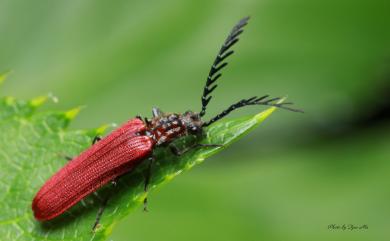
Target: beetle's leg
{"x":178,"y":152}
{"x":69,"y":158}
{"x":100,"y":212}
{"x":148,"y":174}
{"x":139,"y":117}
{"x":96,"y":139}
{"x":174,"y":149}
{"x":103,"y":206}
{"x":147,"y":121}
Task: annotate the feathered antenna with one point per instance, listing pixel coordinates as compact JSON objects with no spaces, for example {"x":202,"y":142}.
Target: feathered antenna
{"x":223,"y":53}
{"x":252,"y":101}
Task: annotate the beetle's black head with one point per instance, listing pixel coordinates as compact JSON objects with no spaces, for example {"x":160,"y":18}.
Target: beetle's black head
{"x":193,"y":123}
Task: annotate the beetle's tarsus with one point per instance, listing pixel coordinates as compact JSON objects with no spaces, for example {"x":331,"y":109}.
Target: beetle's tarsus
{"x":68,"y":158}
{"x":146,"y":205}
{"x":102,"y":207}
{"x":99,"y":214}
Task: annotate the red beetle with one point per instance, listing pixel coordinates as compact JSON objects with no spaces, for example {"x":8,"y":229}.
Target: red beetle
{"x":133,"y":143}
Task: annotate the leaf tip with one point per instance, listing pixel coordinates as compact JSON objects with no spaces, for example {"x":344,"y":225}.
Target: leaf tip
{"x":71,"y":114}
{"x":265,"y":114}
{"x":102,"y":129}
{"x":38,"y":101}
{"x":282,"y":99}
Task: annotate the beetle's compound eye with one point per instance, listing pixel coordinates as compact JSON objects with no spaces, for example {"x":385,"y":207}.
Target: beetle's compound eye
{"x":195,"y":130}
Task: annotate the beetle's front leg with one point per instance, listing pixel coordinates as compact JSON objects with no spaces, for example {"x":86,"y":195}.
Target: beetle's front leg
{"x":96,"y":139}
{"x":177,"y":152}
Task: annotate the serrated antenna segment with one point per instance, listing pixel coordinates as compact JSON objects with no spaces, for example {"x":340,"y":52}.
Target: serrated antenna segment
{"x":275,"y":102}
{"x":219,"y":63}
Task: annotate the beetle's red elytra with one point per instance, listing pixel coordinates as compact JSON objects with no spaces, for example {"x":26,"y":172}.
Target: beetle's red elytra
{"x":109,"y":158}
{"x":132,"y":143}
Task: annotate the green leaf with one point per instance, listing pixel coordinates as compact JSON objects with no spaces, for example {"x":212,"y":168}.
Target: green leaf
{"x":32,"y":148}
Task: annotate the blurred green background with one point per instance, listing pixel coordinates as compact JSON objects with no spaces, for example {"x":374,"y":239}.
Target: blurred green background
{"x":289,"y":179}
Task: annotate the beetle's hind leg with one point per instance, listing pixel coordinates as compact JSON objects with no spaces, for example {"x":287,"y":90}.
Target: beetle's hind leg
{"x":100,"y":213}
{"x":148,"y":174}
{"x":106,"y":198}
{"x":102,"y":207}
